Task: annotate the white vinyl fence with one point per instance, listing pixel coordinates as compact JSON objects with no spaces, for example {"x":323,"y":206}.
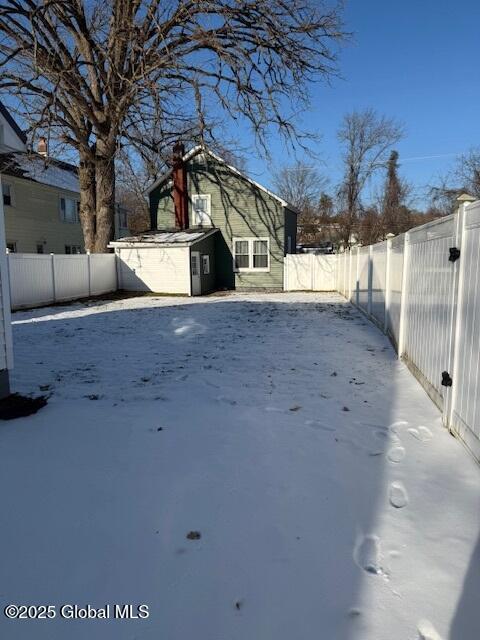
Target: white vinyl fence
{"x":309,"y":272}
{"x":422,"y":288}
{"x":36,"y":280}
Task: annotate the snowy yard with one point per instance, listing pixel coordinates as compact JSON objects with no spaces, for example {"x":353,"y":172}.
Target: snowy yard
{"x":331,"y":503}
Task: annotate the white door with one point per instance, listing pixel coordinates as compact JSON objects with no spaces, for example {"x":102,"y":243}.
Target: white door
{"x":195,"y":271}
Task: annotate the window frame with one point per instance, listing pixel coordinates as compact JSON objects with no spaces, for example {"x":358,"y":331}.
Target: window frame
{"x":73,"y":253}
{"x":208,"y":213}
{"x":77,"y":210}
{"x":205,"y":260}
{"x":11,"y":194}
{"x":251,"y":269}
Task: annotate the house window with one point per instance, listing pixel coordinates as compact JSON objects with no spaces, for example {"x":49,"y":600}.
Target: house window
{"x":7,"y":194}
{"x":260,"y":254}
{"x":195,"y":265}
{"x":72,"y":249}
{"x":206,"y":265}
{"x":39,"y":247}
{"x":251,"y":254}
{"x":69,"y":210}
{"x":201,"y":205}
{"x":12,"y":247}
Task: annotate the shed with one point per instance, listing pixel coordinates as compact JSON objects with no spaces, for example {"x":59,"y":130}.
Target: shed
{"x":176,"y":262}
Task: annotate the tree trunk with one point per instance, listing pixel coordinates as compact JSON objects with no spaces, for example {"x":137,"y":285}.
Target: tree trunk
{"x":105,"y":194}
{"x":86,"y":176}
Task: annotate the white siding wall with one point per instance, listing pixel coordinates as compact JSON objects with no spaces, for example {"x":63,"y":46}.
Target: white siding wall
{"x":11,"y":141}
{"x":309,"y":272}
{"x":154,"y":269}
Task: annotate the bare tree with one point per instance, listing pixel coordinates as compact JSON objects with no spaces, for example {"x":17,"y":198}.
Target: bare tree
{"x":366,"y":138}
{"x":325,"y":207}
{"x":467,"y":172}
{"x":370,"y":227}
{"x":463,"y":178}
{"x":97,"y":73}
{"x":302,"y":185}
{"x":395,"y":213}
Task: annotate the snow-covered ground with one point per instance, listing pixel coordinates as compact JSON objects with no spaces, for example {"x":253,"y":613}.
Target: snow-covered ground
{"x":330,"y":502}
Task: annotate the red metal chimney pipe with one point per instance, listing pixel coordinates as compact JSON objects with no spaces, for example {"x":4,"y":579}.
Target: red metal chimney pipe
{"x":180,"y":192}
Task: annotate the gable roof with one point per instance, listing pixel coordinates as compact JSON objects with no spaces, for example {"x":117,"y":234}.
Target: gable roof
{"x":199,"y":149}
{"x":37,"y":168}
{"x":6,"y":114}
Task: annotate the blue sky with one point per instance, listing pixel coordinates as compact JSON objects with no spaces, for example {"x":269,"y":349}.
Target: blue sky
{"x":416,"y":61}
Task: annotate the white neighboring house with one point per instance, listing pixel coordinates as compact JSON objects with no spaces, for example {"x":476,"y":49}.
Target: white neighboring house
{"x":41,"y":196}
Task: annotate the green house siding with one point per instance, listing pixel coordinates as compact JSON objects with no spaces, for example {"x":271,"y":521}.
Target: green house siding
{"x":239,"y":209}
{"x":206,"y":247}
{"x":162,"y":213}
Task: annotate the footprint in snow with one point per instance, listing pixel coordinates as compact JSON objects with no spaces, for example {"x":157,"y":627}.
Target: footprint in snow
{"x":367,"y":554}
{"x":398,"y":495}
{"x":421,"y":433}
{"x":395,"y":426}
{"x":396,"y":454}
{"x":426,"y":631}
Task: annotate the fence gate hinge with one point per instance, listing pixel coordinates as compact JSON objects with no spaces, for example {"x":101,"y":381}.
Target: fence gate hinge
{"x":446,"y":379}
{"x":454,"y":254}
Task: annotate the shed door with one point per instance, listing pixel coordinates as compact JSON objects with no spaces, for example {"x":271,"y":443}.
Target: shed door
{"x":195,"y":271}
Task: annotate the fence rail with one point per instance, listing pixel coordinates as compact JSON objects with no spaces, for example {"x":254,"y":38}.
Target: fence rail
{"x":36,"y":280}
{"x":425,"y":296}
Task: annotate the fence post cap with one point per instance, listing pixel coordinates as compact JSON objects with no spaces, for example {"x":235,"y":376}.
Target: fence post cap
{"x":466,"y":197}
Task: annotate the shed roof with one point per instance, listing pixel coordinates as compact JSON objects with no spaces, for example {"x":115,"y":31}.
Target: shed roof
{"x":165,"y":238}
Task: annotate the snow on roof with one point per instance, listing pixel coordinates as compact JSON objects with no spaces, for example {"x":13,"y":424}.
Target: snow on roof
{"x":33,"y":166}
{"x":188,"y":236}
